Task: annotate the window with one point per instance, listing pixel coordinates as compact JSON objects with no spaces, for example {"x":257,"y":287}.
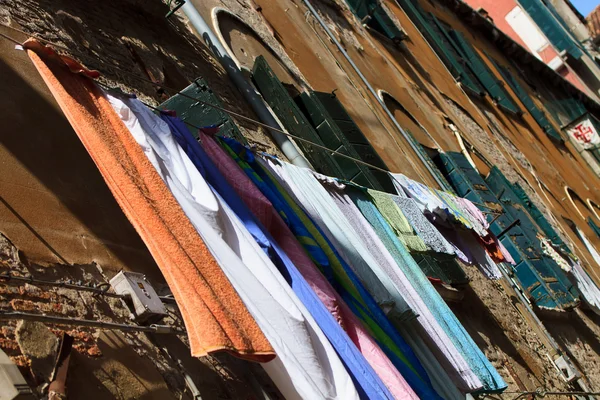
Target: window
{"x":371,"y":13}
{"x":527,"y":30}
{"x":551,"y":27}
{"x":474,"y":68}
{"x":453,"y":57}
{"x":537,"y":114}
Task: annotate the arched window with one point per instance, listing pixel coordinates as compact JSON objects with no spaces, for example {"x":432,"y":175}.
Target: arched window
{"x":595,"y":208}
{"x":244,"y":45}
{"x":407,"y":121}
{"x":577,"y":202}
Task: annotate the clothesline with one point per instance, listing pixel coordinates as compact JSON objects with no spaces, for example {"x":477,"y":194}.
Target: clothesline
{"x":286,"y":293}
{"x":227,"y":111}
{"x":233,"y":113}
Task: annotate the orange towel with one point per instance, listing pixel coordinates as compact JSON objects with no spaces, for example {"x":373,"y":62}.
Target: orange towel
{"x":215,"y":317}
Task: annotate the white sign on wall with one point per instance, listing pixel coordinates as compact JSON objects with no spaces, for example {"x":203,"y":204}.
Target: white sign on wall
{"x":584,"y":132}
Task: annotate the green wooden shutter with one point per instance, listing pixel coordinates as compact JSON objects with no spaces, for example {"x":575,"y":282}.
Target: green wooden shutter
{"x":483,"y":74}
{"x":572,"y":107}
{"x":379,"y":21}
{"x":537,"y":114}
{"x":454,"y":59}
{"x":553,"y":30}
{"x":293,"y":119}
{"x":201,"y":115}
{"x":513,"y":204}
{"x":429,"y":161}
{"x":534,"y":272}
{"x":335,"y":126}
{"x":539,"y":218}
{"x":594,"y":227}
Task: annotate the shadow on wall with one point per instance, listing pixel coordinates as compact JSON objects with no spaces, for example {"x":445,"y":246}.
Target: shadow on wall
{"x":577,"y":333}
{"x":55,"y":205}
{"x":246,"y":45}
{"x":494,"y":340}
{"x":134,"y":36}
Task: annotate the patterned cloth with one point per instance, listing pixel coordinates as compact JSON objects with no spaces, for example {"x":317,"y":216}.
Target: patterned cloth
{"x":424,"y":229}
{"x":392,"y":213}
{"x":423,"y":195}
{"x":473,"y":211}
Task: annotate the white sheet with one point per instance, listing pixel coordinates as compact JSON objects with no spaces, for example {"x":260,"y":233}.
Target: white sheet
{"x":306,"y":367}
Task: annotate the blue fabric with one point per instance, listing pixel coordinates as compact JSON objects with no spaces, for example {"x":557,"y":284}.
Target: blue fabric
{"x":365,"y":307}
{"x":367,"y":382}
{"x":480,"y":365}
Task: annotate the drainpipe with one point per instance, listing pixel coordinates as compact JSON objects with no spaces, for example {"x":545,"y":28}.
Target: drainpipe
{"x":373,"y":92}
{"x":203,"y":29}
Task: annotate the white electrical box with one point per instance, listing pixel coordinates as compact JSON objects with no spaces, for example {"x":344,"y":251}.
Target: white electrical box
{"x":147,"y":306}
{"x":12,"y":384}
{"x":567,"y":371}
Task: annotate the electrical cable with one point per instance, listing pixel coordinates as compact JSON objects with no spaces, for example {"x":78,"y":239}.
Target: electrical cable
{"x":154,"y":328}
{"x":222,"y":109}
{"x":67,"y":285}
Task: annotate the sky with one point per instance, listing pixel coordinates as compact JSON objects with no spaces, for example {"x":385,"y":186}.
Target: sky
{"x":585,"y":6}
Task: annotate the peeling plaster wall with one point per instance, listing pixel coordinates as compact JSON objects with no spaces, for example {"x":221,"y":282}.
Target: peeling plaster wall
{"x":168,"y":52}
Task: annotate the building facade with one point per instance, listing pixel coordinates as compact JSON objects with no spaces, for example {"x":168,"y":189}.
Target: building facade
{"x":490,"y":106}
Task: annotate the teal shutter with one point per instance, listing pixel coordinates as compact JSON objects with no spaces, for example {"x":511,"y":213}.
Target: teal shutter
{"x":429,"y":161}
{"x":594,"y":227}
{"x":337,"y":130}
{"x":572,"y":107}
{"x":554,"y":31}
{"x":513,"y":204}
{"x":535,"y":273}
{"x":293,"y":119}
{"x":483,"y":74}
{"x":379,"y":20}
{"x":537,"y":114}
{"x":201,"y":115}
{"x":442,"y":267}
{"x":454,"y":59}
{"x":538,"y":217}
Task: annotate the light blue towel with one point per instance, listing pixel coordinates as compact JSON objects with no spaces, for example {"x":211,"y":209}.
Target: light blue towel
{"x":491,"y":380}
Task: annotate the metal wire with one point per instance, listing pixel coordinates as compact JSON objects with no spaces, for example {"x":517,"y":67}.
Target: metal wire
{"x":227,"y":111}
{"x":16,"y":315}
{"x":96,"y":290}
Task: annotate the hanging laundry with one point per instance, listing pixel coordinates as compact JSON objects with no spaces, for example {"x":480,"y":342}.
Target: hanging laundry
{"x":472,"y":244}
{"x":453,"y":237}
{"x":548,"y":250}
{"x":226,"y":177}
{"x":474,"y":211}
{"x":477,"y":361}
{"x":404,"y":231}
{"x":340,"y":274}
{"x":322,"y":209}
{"x":424,"y":229}
{"x":456,"y":212}
{"x":445,"y":366}
{"x":273,"y":221}
{"x":586,"y":286}
{"x":214,"y":322}
{"x":306,"y":367}
{"x":419,"y":192}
